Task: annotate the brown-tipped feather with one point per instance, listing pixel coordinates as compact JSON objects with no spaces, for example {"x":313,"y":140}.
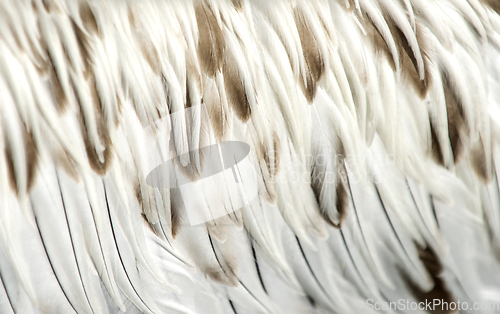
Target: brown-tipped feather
{"x":378,"y":42}
{"x":407,"y":59}
{"x":88,"y":18}
{"x":238,"y":4}
{"x":218,"y":275}
{"x":479,"y":161}
{"x":10,"y":167}
{"x":32,"y":160}
{"x":235,"y":90}
{"x":176,"y":206}
{"x":315,"y":66}
{"x":211,"y":41}
{"x":436,"y":152}
{"x":456,"y":121}
{"x":342,"y":198}
{"x":61,"y":100}
{"x":493,"y":4}
{"x":51,"y":6}
{"x":439,"y":291}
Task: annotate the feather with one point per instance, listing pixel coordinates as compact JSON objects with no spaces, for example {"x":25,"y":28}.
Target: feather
{"x":365,"y":168}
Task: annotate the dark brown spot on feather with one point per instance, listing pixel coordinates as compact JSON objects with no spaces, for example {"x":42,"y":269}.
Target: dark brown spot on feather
{"x":51,"y":6}
{"x":238,"y":4}
{"x":148,"y":206}
{"x":176,"y":206}
{"x":138,"y":192}
{"x":407,"y":59}
{"x":148,"y":222}
{"x":456,"y":121}
{"x":211,"y":41}
{"x":31,"y":159}
{"x":315,"y":66}
{"x":188,"y":103}
{"x":61,"y":101}
{"x":235,"y":90}
{"x":378,"y":41}
{"x":11,"y":173}
{"x":319,"y":178}
{"x":493,"y":4}
{"x":342,"y":202}
{"x":218,"y":275}
{"x":439,"y":291}
{"x":88,"y":18}
{"x":437,"y":154}
{"x":479,"y":161}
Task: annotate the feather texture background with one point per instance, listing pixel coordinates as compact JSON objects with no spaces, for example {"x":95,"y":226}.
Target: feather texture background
{"x":373,"y":128}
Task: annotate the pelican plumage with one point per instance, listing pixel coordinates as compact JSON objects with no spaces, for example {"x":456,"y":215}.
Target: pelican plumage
{"x":237,"y":156}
